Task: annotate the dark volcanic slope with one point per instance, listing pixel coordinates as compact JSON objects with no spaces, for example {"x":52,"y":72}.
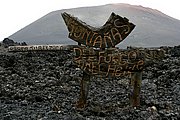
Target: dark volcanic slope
{"x":45,"y":86}
{"x":153,"y":28}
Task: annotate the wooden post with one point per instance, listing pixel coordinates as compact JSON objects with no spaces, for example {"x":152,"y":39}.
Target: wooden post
{"x":83,"y":90}
{"x":136,"y":79}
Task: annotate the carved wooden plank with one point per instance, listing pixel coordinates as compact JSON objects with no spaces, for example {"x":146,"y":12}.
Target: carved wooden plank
{"x":113,"y":62}
{"x":114,"y":31}
{"x":57,"y":47}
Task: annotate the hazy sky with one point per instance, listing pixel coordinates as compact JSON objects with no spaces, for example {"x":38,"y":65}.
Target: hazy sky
{"x":16,"y":14}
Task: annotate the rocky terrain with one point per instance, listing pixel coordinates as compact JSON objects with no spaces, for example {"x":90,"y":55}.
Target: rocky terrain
{"x":46,"y":86}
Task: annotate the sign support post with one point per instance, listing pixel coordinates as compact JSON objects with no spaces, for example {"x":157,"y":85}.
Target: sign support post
{"x":136,"y":79}
{"x":83,"y":90}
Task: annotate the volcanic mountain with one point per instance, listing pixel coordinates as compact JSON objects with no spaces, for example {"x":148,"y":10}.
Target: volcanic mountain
{"x":153,"y":28}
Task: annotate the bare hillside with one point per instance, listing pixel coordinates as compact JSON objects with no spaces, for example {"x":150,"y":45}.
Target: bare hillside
{"x":153,"y":28}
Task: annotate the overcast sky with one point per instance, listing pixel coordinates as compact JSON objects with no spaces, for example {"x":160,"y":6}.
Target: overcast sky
{"x":16,"y":14}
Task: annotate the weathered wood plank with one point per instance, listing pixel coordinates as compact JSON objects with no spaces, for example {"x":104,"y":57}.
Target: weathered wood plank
{"x":57,"y":47}
{"x":114,"y":31}
{"x":113,"y":62}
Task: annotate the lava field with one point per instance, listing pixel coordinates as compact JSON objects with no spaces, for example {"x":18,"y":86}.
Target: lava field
{"x":46,"y":86}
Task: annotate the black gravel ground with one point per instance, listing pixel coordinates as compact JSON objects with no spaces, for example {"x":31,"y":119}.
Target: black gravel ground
{"x":46,"y":86}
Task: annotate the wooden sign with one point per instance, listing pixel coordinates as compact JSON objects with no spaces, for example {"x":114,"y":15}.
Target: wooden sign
{"x":114,"y":31}
{"x":35,"y":48}
{"x":99,"y":57}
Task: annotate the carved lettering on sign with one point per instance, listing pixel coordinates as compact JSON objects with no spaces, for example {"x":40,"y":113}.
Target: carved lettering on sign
{"x":115,"y":30}
{"x":112,"y":62}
